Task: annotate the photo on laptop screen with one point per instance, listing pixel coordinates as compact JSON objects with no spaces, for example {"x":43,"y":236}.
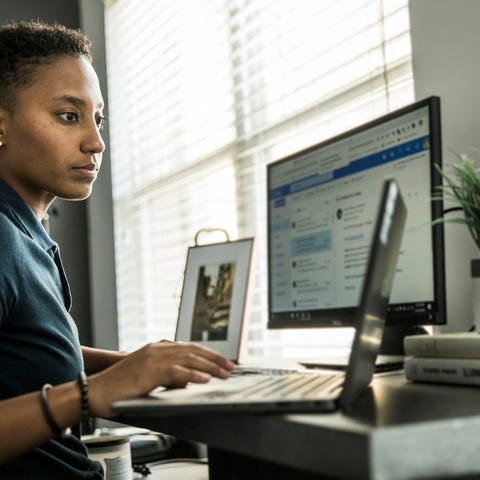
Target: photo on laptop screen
{"x":214,"y":297}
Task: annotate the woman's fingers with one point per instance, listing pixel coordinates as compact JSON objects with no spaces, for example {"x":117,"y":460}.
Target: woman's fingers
{"x":196,"y":357}
{"x":180,"y":376}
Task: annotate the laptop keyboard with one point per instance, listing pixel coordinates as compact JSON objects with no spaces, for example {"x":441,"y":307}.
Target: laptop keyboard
{"x":292,"y":386}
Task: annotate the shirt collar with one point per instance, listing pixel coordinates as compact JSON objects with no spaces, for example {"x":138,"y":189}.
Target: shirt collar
{"x":24,"y":214}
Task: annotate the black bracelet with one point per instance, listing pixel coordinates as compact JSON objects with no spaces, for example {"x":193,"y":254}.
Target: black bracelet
{"x":46,"y":411}
{"x":85,"y":417}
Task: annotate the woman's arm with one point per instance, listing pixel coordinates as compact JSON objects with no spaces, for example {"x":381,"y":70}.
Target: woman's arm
{"x":163,"y":363}
{"x":96,"y":360}
{"x":23,"y":425}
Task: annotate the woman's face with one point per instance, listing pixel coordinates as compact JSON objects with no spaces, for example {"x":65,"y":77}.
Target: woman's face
{"x":52,"y":143}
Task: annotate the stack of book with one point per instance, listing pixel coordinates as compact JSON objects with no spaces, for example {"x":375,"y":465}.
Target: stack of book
{"x":443,"y":358}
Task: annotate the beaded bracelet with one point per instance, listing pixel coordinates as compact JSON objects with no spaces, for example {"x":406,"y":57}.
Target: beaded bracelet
{"x":46,"y":411}
{"x":85,"y":416}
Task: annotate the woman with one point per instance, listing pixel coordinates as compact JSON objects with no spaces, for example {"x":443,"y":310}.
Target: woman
{"x":50,"y":146}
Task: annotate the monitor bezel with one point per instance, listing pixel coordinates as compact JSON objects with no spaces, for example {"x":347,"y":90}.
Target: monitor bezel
{"x":345,"y":317}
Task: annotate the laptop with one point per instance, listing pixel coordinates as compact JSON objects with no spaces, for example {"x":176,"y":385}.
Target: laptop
{"x":309,"y":390}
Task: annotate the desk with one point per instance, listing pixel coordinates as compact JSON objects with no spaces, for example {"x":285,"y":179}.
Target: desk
{"x":396,"y":430}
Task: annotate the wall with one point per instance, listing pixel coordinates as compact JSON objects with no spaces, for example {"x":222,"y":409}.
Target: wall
{"x":99,"y":205}
{"x":445,"y":39}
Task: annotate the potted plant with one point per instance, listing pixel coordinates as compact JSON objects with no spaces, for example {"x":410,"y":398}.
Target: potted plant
{"x":462,"y":187}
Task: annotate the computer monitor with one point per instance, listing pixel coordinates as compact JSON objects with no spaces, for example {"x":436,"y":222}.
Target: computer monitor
{"x":321,"y":208}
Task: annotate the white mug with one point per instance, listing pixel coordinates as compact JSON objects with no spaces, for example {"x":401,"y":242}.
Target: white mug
{"x":113,"y":452}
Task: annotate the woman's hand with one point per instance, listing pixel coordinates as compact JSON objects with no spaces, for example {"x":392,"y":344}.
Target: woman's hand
{"x":165,"y":363}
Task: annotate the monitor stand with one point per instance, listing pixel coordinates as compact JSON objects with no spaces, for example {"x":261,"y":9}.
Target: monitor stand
{"x":392,"y":341}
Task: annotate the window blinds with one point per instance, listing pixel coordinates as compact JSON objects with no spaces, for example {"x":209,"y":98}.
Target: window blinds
{"x":202,"y":95}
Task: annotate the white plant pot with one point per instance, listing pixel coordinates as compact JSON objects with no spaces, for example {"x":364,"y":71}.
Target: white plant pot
{"x":475,"y":272}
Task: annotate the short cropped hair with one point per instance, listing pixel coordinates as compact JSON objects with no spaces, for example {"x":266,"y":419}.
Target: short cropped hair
{"x":28,"y":44}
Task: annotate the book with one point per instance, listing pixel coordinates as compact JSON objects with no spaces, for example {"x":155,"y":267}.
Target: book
{"x":461,"y":371}
{"x":448,"y":345}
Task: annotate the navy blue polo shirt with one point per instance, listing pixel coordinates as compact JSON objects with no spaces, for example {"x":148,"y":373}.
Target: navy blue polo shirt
{"x":38,"y":338}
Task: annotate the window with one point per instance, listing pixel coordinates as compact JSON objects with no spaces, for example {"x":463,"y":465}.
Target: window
{"x":202,"y":95}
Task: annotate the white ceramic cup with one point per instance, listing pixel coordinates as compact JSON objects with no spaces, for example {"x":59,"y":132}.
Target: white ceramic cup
{"x":113,"y":452}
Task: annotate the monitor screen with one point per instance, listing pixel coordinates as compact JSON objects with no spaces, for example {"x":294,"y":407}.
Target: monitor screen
{"x":322,"y":204}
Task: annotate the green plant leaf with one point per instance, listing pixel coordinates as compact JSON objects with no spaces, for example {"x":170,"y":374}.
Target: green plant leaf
{"x":462,"y":186}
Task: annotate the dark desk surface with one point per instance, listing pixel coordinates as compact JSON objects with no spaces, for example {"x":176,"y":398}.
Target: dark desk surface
{"x":396,"y":430}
